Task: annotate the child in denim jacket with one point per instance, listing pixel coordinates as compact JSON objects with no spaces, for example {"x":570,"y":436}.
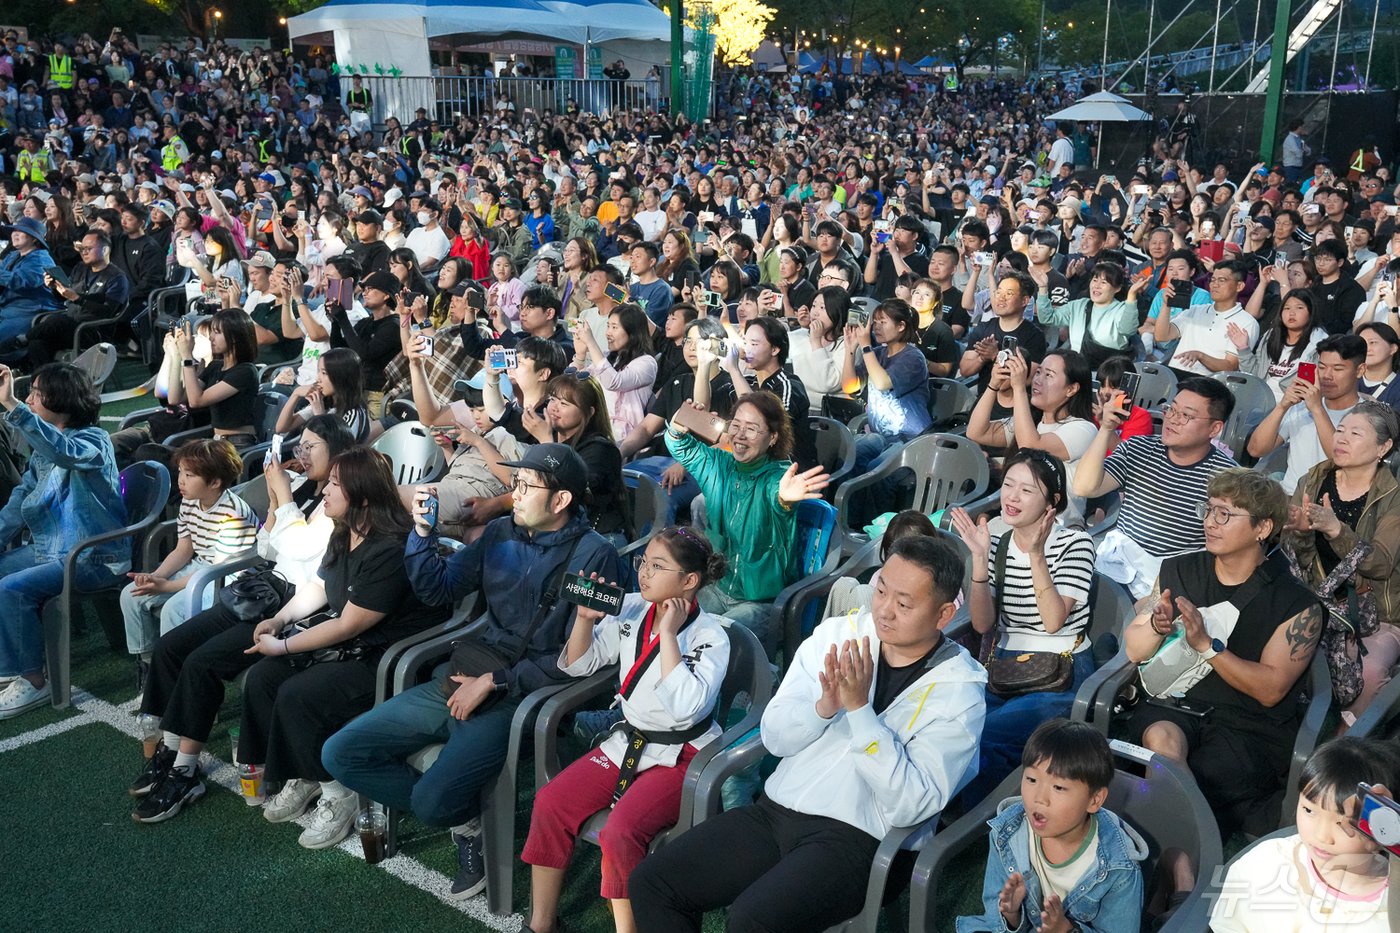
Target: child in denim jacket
{"x":1059,"y":862}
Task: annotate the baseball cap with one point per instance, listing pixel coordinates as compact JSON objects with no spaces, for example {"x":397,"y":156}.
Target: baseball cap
{"x":384,"y":282}
{"x":164,"y":207}
{"x":262,"y":259}
{"x":370,"y":217}
{"x":360,"y":191}
{"x":559,"y":461}
{"x":268,"y":177}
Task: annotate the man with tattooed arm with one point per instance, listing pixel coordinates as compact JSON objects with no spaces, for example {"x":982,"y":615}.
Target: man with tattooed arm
{"x":1229,"y":635}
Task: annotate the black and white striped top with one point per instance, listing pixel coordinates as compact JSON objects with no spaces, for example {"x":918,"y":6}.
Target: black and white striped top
{"x":1070,"y":554}
{"x":1159,"y":498}
{"x":228,"y":528}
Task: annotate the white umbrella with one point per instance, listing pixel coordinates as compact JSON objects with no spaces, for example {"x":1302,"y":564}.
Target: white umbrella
{"x":1102,"y":107}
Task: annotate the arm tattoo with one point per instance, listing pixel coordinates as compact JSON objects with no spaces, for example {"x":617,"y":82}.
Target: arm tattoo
{"x":1304,"y":631}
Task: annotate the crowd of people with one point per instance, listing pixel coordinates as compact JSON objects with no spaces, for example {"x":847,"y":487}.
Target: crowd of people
{"x":561,"y":296}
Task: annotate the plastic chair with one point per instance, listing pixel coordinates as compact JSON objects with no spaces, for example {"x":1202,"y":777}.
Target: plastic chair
{"x":1381,"y":719}
{"x":648,"y":508}
{"x":949,"y":405}
{"x":798,"y":609}
{"x":266,"y":408}
{"x":948,"y":470}
{"x":1156,"y":387}
{"x":415,"y":456}
{"x":1274,"y":463}
{"x":1253,"y":402}
{"x":836,"y":449}
{"x":748,"y":673}
{"x":145,"y":487}
{"x":1099,"y":694}
{"x":99,"y":362}
{"x":1153,"y":795}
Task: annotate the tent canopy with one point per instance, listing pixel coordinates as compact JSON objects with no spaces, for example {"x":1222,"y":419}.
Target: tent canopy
{"x":571,"y":21}
{"x":1102,"y":107}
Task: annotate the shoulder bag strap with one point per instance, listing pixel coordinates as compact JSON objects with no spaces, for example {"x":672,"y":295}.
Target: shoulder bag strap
{"x":547,"y":601}
{"x":998,"y":574}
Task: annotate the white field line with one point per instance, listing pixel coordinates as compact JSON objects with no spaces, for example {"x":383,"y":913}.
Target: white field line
{"x":221,"y":773}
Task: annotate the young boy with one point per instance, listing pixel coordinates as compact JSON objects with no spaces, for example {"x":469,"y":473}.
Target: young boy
{"x":1059,"y":861}
{"x":213,"y":525}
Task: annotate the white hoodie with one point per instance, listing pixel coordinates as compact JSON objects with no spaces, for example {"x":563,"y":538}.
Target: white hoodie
{"x":875,"y":772}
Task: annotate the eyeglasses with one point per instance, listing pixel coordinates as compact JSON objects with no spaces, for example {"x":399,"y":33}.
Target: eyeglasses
{"x":648,"y":569}
{"x":1216,"y":514}
{"x":522,"y":487}
{"x":302,"y":451}
{"x":740,"y":429}
{"x":1172,"y":413}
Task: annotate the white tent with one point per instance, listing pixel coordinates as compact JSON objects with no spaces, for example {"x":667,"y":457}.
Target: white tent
{"x":395,"y":33}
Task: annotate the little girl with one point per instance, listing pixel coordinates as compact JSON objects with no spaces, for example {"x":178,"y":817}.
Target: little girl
{"x":1327,"y":876}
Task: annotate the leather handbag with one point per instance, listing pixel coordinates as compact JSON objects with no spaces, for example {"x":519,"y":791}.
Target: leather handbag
{"x":256,"y":595}
{"x":1029,"y":671}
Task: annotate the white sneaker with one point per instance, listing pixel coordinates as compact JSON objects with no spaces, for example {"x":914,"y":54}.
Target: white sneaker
{"x":20,"y":695}
{"x":332,"y":822}
{"x":291,"y":801}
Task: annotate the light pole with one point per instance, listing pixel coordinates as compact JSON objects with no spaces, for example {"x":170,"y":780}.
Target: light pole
{"x":282,"y":21}
{"x":218,"y":16}
{"x":1040,"y":43}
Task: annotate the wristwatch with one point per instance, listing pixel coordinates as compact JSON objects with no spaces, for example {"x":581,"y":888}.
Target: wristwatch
{"x":498,"y":682}
{"x":1216,"y":646}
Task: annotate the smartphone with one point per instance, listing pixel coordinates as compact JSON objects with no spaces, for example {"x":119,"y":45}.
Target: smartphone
{"x":1392,"y":209}
{"x":1308,"y":373}
{"x":1128,"y":386}
{"x":1214,"y":250}
{"x":425,"y":345}
{"x":499,"y":359}
{"x":705,"y":425}
{"x":274,"y":452}
{"x":1140,"y":190}
{"x":341,"y":292}
{"x":1280,"y":262}
{"x":1181,"y":293}
{"x":1379,"y":819}
{"x":225,"y":282}
{"x":692,"y":278}
{"x":858,"y":317}
{"x":984,"y":258}
{"x":1008,"y":347}
{"x":712,"y":301}
{"x":431,"y":504}
{"x":1348,"y":232}
{"x":1312,"y":208}
{"x":59,"y":276}
{"x":476,"y":300}
{"x":591,"y":594}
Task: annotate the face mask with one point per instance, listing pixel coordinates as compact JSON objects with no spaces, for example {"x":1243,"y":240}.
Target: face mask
{"x":109,"y":187}
{"x":424,"y":218}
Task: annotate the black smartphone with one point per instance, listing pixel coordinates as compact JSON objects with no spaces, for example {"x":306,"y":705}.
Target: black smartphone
{"x":1128,"y":386}
{"x":616,"y":292}
{"x":591,"y":594}
{"x":1181,"y":293}
{"x":692,"y":278}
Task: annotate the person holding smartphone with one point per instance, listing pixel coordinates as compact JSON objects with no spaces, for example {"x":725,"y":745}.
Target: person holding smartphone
{"x":674,"y":657}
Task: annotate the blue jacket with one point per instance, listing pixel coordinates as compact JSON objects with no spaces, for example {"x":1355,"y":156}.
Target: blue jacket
{"x":70,"y":491}
{"x":1107,"y":899}
{"x":514,"y":570}
{"x":22,"y":290}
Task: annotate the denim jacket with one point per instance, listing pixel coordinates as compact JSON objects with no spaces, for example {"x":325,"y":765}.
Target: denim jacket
{"x":70,"y":491}
{"x":22,"y":289}
{"x":1108,"y":899}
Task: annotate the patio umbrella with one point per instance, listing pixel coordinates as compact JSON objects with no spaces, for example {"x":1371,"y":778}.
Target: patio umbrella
{"x":1101,"y":108}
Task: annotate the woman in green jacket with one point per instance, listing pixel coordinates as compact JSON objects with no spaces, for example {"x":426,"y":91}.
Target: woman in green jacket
{"x":1351,"y":501}
{"x":750,"y":500}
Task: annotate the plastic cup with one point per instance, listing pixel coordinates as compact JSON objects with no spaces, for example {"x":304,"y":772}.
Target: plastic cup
{"x":373,"y":827}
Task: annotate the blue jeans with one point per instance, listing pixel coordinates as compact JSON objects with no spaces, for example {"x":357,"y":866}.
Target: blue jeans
{"x":24,"y":588}
{"x":677,"y":497}
{"x":370,"y":755}
{"x":1011,"y":721}
{"x":871,"y":451}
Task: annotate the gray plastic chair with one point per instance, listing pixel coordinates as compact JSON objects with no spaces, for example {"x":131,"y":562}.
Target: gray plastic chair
{"x":145,"y":487}
{"x":948,"y":470}
{"x":1381,"y":719}
{"x":1253,"y":402}
{"x":415,"y":456}
{"x":1153,"y":795}
{"x":949,"y":405}
{"x":99,"y":362}
{"x":1274,"y":463}
{"x":1157,"y":386}
{"x":836,"y":449}
{"x":649,"y":506}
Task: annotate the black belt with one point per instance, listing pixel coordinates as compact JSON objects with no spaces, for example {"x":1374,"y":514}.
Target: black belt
{"x":638,"y":739}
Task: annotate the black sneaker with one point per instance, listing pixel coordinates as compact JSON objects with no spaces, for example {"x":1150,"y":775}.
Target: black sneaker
{"x":157,"y":767}
{"x":165,"y":800}
{"x":471,"y":868}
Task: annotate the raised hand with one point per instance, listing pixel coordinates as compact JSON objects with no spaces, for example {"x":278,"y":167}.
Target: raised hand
{"x":1009,"y":901}
{"x":795,"y":487}
{"x":829,"y":703}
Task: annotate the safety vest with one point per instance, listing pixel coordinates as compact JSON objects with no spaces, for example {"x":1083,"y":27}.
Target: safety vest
{"x":170,"y":158}
{"x":950,"y":81}
{"x":360,"y":103}
{"x":263,"y":154}
{"x":61,"y":71}
{"x":1360,"y":164}
{"x":29,"y":166}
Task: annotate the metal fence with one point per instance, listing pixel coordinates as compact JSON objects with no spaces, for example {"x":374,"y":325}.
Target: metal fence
{"x":446,"y":97}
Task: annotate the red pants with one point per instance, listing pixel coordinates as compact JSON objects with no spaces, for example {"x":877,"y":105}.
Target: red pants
{"x":562,"y":806}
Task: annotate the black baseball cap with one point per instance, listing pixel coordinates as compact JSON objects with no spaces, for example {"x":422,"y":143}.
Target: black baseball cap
{"x":559,"y":461}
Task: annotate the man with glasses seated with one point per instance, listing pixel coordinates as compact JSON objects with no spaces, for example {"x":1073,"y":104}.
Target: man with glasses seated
{"x":1224,"y":642}
{"x":516,"y":567}
{"x":1160,"y":480}
{"x":1204,"y":346}
{"x":96,"y":291}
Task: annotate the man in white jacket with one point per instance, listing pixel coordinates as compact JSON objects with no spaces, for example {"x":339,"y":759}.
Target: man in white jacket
{"x":876,"y":725}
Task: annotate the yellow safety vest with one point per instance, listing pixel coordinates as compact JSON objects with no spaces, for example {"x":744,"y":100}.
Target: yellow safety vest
{"x":262,"y":150}
{"x":362,"y":103}
{"x":29,"y":166}
{"x":1360,"y":164}
{"x":61,"y":71}
{"x":170,"y":158}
